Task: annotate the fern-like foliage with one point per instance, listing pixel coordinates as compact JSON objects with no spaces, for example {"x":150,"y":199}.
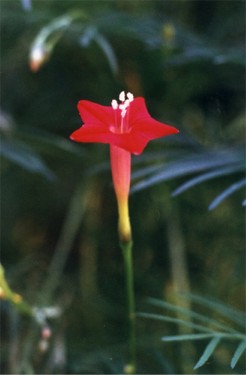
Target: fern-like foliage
{"x":196,"y":161}
{"x":204,"y":327}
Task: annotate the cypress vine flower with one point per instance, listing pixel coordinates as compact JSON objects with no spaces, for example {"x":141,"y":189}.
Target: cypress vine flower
{"x":128,"y":127}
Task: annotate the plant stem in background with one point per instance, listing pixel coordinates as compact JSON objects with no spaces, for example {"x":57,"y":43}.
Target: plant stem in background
{"x":46,"y":295}
{"x":180,"y":280}
{"x":130,"y":368}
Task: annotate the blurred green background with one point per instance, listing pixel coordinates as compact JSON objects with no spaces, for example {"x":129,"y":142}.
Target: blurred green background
{"x":59,"y":216}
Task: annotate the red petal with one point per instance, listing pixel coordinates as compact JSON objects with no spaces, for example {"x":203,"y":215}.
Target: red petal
{"x":154,"y":129}
{"x":95,"y":114}
{"x":133,"y":143}
{"x":92,"y":133}
{"x":138,"y":109}
{"x":98,"y":120}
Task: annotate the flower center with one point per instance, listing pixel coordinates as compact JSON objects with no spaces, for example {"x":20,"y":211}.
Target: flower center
{"x":121,"y":123}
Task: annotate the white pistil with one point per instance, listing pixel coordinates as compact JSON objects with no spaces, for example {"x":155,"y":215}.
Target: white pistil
{"x":127,"y":103}
{"x":123,"y":112}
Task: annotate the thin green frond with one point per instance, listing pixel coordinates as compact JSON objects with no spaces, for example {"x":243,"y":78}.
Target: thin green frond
{"x":239,"y":351}
{"x":202,"y":318}
{"x":191,"y":337}
{"x":175,"y":320}
{"x":232,"y":314}
{"x":206,"y":176}
{"x":26,"y":157}
{"x":106,"y":47}
{"x":202,"y":336}
{"x":195,"y":162}
{"x":207,"y":352}
{"x":230,"y":190}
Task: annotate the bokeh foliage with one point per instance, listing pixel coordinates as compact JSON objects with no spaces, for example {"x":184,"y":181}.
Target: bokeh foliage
{"x":59,"y":220}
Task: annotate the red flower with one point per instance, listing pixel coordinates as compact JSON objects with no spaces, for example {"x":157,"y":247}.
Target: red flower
{"x":128,"y":125}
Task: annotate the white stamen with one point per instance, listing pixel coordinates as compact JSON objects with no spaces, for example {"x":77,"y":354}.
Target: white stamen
{"x":123,"y":113}
{"x":114,"y":104}
{"x":122,"y":96}
{"x":130,"y":96}
{"x":127,"y":103}
{"x":124,"y":107}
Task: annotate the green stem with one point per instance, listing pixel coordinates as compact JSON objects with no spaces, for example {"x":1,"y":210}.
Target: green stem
{"x":45,"y":296}
{"x":130,"y":368}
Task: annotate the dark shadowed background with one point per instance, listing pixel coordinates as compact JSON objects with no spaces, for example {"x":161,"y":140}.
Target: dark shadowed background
{"x":59,"y":244}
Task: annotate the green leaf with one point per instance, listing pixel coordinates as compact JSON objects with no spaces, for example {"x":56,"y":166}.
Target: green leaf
{"x":198,"y":316}
{"x":225,"y":310}
{"x":108,"y":51}
{"x":206,"y":176}
{"x":230,"y":190}
{"x":26,"y":157}
{"x":50,"y":35}
{"x":194,"y":336}
{"x":175,"y":320}
{"x":46,"y":142}
{"x":239,"y":351}
{"x":193,"y":163}
{"x":207,"y":352}
{"x":92,"y":34}
{"x":145,"y":171}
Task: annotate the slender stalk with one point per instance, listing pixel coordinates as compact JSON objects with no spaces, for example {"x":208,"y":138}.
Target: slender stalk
{"x":69,"y":230}
{"x":121,"y":174}
{"x":47,"y":290}
{"x":130,"y":367}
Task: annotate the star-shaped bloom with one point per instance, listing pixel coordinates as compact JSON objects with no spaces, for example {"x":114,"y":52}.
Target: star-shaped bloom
{"x":127,"y":125}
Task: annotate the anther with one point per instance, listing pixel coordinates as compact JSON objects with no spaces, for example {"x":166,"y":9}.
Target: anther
{"x":114,"y":104}
{"x":122,"y":96}
{"x":130,"y":96}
